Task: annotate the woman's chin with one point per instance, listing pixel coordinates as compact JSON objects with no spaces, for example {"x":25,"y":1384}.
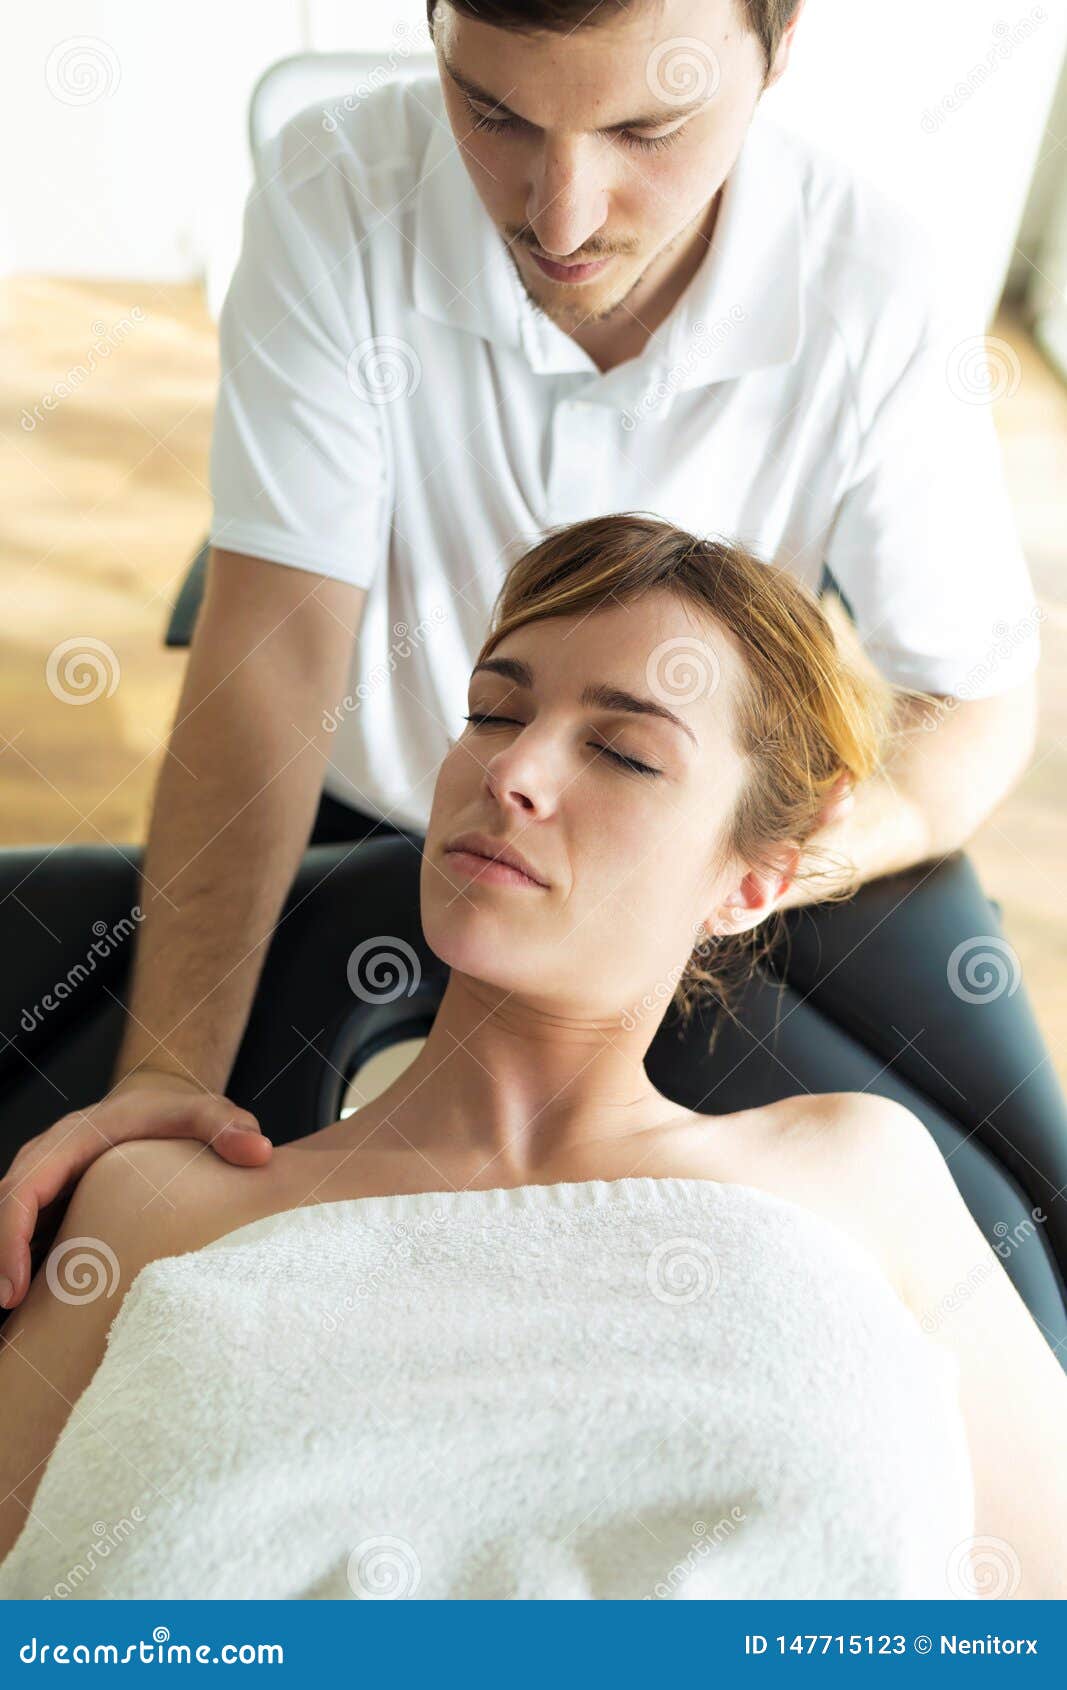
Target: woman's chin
{"x":485,"y":944}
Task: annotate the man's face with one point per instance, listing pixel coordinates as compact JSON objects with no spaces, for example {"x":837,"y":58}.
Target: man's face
{"x":615,"y":140}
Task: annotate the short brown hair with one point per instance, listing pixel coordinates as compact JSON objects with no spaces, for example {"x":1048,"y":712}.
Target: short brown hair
{"x":806,"y":716}
{"x":767,"y":19}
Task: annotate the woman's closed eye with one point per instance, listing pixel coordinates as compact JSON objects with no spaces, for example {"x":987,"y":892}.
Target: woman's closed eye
{"x":630,"y":763}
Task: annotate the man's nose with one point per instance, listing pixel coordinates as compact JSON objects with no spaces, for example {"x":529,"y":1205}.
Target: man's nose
{"x":568,"y":199}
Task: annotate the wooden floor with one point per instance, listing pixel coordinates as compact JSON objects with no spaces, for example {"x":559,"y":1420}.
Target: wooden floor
{"x":106,"y":500}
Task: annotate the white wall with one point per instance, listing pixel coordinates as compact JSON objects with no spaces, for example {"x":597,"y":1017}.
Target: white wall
{"x":122,"y":126}
{"x":1048,"y":190}
{"x":331,"y":23}
{"x":944,"y":104}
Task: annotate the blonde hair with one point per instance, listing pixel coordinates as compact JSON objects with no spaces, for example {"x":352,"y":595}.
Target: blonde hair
{"x":804,"y":716}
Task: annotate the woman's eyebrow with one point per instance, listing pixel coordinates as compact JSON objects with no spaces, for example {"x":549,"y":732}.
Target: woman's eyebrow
{"x":667,"y":114}
{"x":598,"y":693}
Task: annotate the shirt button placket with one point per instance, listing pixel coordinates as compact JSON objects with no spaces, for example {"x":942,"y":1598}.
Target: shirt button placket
{"x":576,"y":479}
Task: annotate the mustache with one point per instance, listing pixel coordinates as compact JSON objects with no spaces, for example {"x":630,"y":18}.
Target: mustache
{"x":588,"y":254}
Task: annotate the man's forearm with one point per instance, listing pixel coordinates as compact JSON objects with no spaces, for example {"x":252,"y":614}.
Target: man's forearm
{"x":949,"y":764}
{"x":231,"y":816}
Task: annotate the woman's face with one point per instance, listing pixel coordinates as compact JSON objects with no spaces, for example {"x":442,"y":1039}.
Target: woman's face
{"x":626,"y":857}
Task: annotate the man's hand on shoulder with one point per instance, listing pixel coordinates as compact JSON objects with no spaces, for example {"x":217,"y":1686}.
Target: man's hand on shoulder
{"x":146,"y":1104}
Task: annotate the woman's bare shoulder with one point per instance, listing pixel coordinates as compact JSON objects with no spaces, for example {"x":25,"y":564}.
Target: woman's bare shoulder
{"x":871,"y":1153}
{"x":830,"y":1152}
{"x":785,"y":1141}
{"x":161,"y":1197}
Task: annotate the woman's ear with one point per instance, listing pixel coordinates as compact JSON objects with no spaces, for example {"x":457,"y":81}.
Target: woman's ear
{"x":756,"y":894}
{"x":839,"y":801}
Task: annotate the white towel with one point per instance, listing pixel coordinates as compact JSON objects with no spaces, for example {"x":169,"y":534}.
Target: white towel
{"x":609,"y":1389}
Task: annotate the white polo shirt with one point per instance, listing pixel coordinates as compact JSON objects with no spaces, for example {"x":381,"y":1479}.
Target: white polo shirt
{"x":395,"y":412}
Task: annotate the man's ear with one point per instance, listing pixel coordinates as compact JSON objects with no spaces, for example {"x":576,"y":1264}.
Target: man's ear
{"x":755,"y":895}
{"x":781,"y":57}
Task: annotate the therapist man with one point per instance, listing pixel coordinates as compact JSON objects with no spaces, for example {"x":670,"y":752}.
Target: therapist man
{"x":576,"y":271}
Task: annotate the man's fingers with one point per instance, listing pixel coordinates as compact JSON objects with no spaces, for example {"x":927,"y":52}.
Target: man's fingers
{"x":243,"y":1149}
{"x":53,"y":1159}
{"x":42,"y":1169}
{"x":47,"y":1164}
{"x":233,"y":1133}
{"x":18,"y":1218}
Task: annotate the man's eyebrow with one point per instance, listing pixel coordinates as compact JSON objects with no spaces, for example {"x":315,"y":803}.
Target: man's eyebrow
{"x":666,"y":114}
{"x":598,"y":693}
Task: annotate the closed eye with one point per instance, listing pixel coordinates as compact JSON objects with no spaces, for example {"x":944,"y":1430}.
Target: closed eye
{"x":629,"y":137}
{"x":630,"y":763}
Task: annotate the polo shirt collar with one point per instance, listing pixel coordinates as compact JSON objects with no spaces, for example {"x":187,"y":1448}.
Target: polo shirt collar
{"x":742,"y":310}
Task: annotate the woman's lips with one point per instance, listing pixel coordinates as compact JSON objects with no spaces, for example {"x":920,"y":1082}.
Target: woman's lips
{"x":483,"y":868}
{"x":570,"y":272}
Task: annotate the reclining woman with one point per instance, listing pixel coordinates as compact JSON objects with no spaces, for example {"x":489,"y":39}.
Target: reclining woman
{"x":520,"y":1326}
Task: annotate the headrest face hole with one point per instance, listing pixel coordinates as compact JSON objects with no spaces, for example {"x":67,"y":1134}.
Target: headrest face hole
{"x":378,"y":1073}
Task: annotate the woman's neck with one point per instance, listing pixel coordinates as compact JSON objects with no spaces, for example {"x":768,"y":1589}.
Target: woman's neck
{"x":516,"y":1084}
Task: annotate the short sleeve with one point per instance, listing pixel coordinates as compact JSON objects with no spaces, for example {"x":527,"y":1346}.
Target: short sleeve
{"x":923,"y":541}
{"x":298,"y":462}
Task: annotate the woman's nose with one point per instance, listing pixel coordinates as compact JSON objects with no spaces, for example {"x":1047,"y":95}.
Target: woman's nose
{"x":518,"y":778}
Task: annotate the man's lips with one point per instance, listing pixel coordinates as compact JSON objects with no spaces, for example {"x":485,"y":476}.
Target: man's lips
{"x":569,"y":272}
